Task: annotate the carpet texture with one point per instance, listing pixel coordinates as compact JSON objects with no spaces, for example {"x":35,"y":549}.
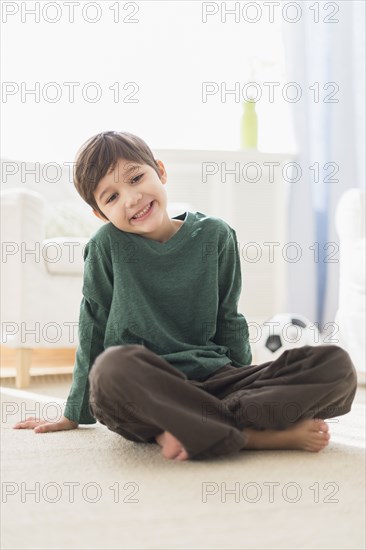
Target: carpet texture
{"x":127,"y":496}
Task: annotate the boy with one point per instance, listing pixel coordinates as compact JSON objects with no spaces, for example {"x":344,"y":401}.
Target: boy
{"x":164,"y":355}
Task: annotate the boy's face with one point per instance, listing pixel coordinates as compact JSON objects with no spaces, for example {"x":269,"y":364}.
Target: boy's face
{"x":128,"y":190}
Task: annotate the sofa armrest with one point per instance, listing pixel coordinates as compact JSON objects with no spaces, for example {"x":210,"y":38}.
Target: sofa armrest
{"x":350,"y":316}
{"x":350,"y":215}
{"x":22,"y":265}
{"x":22,"y":215}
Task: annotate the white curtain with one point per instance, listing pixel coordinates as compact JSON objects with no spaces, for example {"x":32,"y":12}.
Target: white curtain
{"x":327,"y":59}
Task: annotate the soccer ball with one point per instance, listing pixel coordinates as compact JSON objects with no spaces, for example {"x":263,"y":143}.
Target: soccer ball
{"x":283,"y":331}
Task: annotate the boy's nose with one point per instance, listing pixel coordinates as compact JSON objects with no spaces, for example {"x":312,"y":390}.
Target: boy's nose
{"x":133,"y":201}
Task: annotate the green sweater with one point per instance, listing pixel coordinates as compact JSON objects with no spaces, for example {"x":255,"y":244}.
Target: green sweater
{"x":178,"y":298}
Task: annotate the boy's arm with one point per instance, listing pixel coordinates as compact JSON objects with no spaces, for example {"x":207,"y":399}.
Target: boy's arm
{"x":232,"y":328}
{"x":92,"y":323}
{"x":93,"y":318}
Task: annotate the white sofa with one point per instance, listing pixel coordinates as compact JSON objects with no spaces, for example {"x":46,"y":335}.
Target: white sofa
{"x":350,"y":316}
{"x":44,"y":227}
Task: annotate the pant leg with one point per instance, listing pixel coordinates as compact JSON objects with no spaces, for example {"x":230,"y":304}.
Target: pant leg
{"x":138,"y":394}
{"x":306,"y":382}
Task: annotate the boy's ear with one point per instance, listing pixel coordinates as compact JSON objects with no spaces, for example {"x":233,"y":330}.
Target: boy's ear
{"x":99,"y":215}
{"x":163,"y":174}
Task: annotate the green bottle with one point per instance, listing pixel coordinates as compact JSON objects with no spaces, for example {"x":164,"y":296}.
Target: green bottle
{"x":249,"y":126}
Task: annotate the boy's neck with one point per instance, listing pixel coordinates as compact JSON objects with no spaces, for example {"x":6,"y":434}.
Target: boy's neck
{"x":176,"y":226}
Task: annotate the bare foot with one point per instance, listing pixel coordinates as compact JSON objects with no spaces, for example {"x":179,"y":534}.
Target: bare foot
{"x":172,"y":448}
{"x":307,"y":435}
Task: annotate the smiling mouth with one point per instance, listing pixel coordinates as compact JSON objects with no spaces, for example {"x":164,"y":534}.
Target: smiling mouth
{"x":143,"y":212}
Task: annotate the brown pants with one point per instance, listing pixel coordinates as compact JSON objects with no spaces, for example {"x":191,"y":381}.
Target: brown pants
{"x":138,"y":394}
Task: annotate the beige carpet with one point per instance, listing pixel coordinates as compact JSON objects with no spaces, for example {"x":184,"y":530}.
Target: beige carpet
{"x":250,"y":500}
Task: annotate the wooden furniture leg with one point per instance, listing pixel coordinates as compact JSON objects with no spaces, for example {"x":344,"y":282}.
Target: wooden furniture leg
{"x":22,"y":364}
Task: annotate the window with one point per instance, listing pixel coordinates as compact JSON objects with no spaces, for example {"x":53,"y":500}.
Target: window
{"x":166,"y":77}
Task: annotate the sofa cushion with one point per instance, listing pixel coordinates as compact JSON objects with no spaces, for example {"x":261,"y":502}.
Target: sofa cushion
{"x":70,"y":219}
{"x":64,"y":255}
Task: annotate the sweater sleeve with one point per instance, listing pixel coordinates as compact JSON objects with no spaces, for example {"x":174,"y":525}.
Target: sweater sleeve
{"x":93,"y":318}
{"x":232,"y":328}
{"x":92,"y":322}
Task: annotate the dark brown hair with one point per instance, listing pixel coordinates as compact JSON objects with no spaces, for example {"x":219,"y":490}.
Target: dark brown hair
{"x":100,"y":154}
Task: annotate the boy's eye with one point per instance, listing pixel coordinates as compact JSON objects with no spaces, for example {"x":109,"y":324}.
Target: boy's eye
{"x":137,"y":178}
{"x":111,"y":197}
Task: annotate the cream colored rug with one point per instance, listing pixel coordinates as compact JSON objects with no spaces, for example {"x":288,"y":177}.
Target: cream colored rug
{"x":92,"y":489}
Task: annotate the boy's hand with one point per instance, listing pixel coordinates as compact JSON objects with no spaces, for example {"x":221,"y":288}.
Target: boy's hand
{"x":42,"y":426}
